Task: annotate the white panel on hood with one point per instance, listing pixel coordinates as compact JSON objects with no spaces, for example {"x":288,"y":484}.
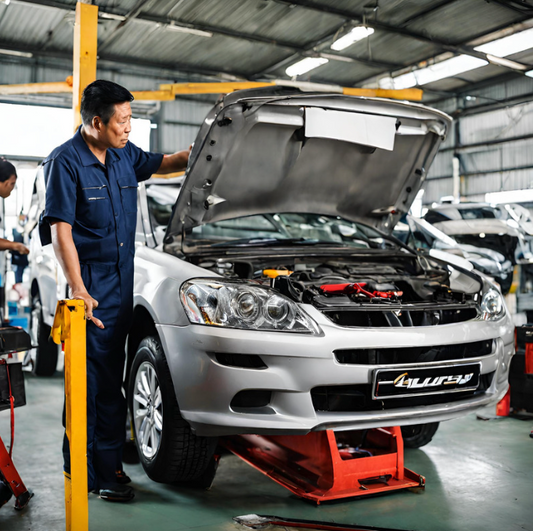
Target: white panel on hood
{"x":365,"y":129}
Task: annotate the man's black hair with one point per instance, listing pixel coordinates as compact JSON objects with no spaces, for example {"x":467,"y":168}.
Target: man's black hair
{"x":99,"y":99}
{"x":6,"y":170}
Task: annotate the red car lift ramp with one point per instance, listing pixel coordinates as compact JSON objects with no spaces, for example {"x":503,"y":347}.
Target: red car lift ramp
{"x":326,"y":465}
{"x":12,"y":339}
{"x":12,"y":479}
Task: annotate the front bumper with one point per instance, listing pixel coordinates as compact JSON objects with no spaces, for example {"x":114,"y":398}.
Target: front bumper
{"x":296,"y":364}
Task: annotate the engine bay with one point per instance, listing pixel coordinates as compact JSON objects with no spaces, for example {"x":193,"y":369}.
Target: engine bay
{"x":399,"y":291}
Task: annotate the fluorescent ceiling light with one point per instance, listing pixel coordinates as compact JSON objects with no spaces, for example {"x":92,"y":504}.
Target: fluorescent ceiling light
{"x":335,"y":57}
{"x":530,"y":73}
{"x":401,"y":82}
{"x":15,"y":53}
{"x":508,"y":63}
{"x":307,"y":86}
{"x":112,"y":16}
{"x":450,"y":67}
{"x":358,"y":33}
{"x":305,"y":65}
{"x":191,"y":31}
{"x":518,"y":42}
{"x":511,"y":196}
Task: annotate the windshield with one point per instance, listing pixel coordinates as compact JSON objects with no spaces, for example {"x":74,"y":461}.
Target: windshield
{"x":479,"y":213}
{"x":288,"y":229}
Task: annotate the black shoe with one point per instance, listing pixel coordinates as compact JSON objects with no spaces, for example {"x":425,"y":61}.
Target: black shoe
{"x":117,"y":493}
{"x":122,"y":478}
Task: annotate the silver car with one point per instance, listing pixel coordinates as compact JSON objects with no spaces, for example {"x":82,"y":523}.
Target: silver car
{"x":277,"y":303}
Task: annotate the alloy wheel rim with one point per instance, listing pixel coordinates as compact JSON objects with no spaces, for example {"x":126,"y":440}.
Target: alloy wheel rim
{"x":147,"y":410}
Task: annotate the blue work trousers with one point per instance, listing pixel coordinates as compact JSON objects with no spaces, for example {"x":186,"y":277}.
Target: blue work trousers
{"x":112,"y":287}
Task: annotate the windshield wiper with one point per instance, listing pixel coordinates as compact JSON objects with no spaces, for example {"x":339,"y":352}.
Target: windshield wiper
{"x":274,"y":242}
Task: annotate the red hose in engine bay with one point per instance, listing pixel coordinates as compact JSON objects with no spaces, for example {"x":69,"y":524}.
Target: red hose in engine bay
{"x":358,"y":287}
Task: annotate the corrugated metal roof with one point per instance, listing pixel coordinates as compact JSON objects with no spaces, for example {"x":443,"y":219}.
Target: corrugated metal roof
{"x":460,"y":21}
{"x":251,"y":37}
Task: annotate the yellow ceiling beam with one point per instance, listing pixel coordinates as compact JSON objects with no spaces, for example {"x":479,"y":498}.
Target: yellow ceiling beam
{"x":55,"y":87}
{"x":403,"y":94}
{"x":168,"y":92}
{"x":84,"y":58}
{"x":153,"y":95}
{"x":212,"y":88}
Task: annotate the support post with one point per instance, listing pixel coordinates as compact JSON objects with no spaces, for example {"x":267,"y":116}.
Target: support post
{"x":84,"y":60}
{"x":456,"y":180}
{"x":69,"y":328}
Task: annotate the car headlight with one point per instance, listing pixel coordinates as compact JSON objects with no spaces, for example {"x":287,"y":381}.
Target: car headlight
{"x":492,"y":305}
{"x":240,"y":305}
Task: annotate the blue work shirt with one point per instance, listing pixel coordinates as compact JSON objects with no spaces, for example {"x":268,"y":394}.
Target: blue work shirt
{"x":99,"y":201}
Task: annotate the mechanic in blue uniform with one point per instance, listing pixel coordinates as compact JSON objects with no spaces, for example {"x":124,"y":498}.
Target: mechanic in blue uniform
{"x":91,"y":206}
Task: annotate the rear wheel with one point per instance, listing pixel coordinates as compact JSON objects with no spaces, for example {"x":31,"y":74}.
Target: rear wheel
{"x":44,"y":360}
{"x":168,"y":449}
{"x":418,"y":435}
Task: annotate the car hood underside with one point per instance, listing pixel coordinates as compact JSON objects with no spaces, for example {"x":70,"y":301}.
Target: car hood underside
{"x":362,"y":159}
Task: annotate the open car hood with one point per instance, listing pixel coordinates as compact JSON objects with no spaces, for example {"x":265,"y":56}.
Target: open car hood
{"x":281,"y":150}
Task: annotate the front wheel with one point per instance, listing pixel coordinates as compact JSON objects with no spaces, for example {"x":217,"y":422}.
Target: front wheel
{"x":418,"y":435}
{"x":44,"y":360}
{"x":168,"y":449}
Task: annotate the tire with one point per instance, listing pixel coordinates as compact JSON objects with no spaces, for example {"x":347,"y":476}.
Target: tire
{"x":169,"y":451}
{"x":418,"y":435}
{"x":45,"y":359}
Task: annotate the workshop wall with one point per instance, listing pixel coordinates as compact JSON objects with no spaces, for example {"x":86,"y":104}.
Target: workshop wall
{"x":493,"y":139}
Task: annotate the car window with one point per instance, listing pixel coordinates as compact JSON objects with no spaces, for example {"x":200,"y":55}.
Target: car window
{"x":294,"y":227}
{"x":479,"y":213}
{"x":160,"y":199}
{"x":159,"y":212}
{"x":433,"y":216}
{"x":259,"y":226}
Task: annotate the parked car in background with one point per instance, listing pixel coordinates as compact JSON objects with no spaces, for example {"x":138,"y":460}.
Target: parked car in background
{"x":506,"y":229}
{"x":278,"y":302}
{"x":47,"y":286}
{"x":420,"y":234}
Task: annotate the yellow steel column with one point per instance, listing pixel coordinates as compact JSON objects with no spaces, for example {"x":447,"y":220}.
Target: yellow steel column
{"x":85,"y":45}
{"x":69,"y":328}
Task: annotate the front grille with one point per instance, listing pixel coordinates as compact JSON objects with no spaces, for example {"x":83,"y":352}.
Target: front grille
{"x":354,"y":398}
{"x":402,"y":355}
{"x":372,"y":318}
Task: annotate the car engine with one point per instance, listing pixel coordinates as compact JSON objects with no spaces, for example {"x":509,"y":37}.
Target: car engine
{"x":403,"y":292}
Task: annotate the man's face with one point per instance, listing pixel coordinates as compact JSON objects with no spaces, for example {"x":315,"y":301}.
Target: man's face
{"x":6,"y":187}
{"x":115,"y":133}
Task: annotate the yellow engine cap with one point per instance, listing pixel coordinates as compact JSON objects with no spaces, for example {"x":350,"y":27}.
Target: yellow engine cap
{"x":273,"y":273}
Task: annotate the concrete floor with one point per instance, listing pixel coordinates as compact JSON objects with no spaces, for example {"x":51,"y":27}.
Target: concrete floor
{"x":479,"y":477}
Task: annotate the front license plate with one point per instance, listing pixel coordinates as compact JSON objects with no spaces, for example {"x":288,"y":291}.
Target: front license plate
{"x":400,"y":383}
